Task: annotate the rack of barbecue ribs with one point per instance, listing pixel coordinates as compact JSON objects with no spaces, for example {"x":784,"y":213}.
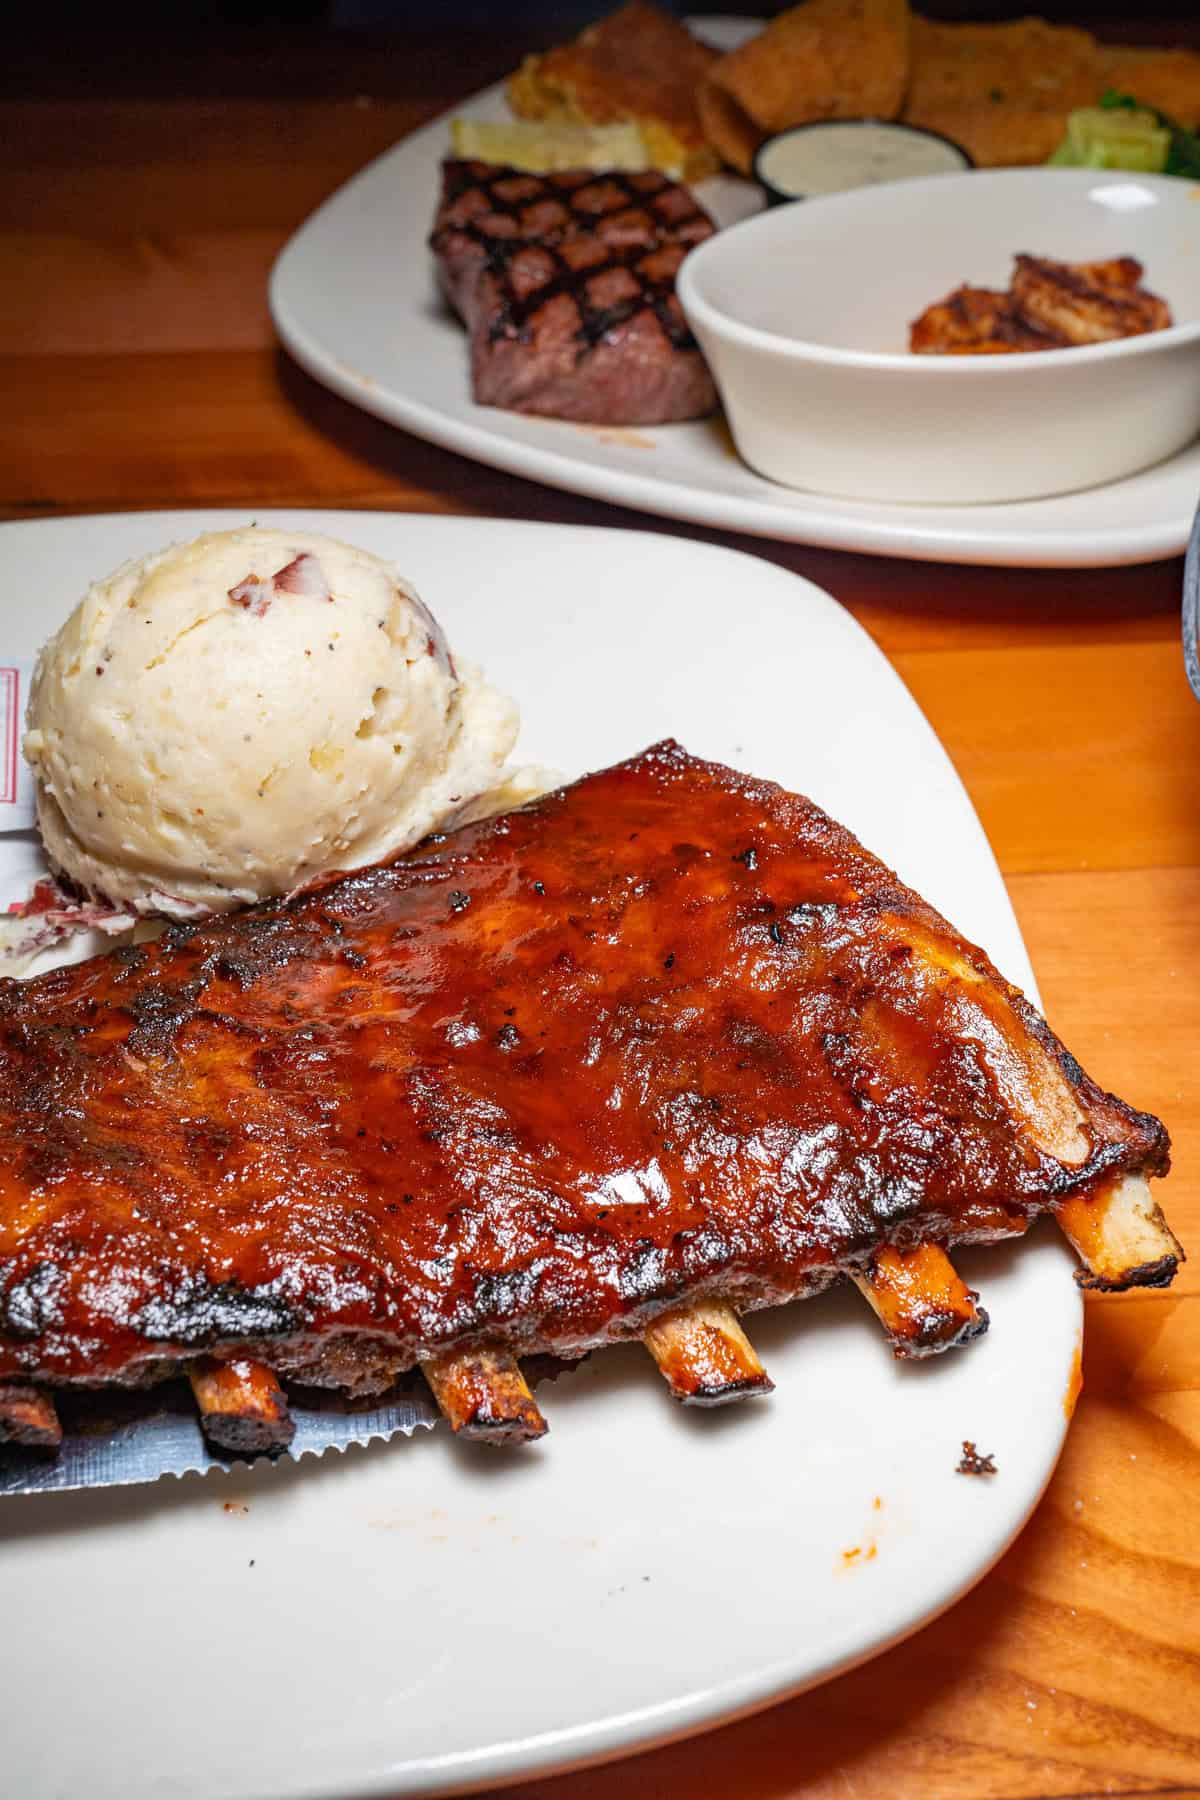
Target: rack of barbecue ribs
{"x":566,"y":284}
{"x":661,"y":1048}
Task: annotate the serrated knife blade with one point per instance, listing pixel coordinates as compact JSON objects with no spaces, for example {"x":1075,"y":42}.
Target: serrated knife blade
{"x":159,"y":1434}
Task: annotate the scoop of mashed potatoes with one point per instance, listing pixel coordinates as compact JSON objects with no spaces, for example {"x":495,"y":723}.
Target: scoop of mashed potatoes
{"x":226,"y":720}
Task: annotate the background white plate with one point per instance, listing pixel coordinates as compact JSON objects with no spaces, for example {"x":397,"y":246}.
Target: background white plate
{"x":354,"y":299}
{"x":421,"y":1616}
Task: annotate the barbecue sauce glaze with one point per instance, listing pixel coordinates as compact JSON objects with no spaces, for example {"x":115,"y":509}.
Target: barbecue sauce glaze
{"x":666,"y":1032}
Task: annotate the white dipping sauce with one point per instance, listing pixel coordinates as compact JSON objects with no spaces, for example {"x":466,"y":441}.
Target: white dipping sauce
{"x":849,"y":153}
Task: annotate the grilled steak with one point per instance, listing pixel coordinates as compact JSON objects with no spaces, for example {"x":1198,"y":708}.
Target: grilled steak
{"x":566,"y":283}
{"x":669,"y":1038}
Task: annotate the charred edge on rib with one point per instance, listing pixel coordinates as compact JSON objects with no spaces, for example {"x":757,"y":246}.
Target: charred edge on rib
{"x":483,"y":1396}
{"x":722,"y":1393}
{"x":28,"y":1418}
{"x":247,"y":1436}
{"x":487,"y":1427}
{"x":242,"y":1407}
{"x":1158,"y":1274}
{"x":704,"y":1355}
{"x":935,"y":1332}
{"x":199,"y":1314}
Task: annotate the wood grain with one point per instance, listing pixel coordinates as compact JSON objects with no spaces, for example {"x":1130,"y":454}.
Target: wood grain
{"x":139,"y":371}
{"x":1078,"y":764}
{"x":1117,"y":954}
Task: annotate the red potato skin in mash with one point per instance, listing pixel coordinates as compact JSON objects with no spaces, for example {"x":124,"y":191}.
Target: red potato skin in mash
{"x":303,"y":575}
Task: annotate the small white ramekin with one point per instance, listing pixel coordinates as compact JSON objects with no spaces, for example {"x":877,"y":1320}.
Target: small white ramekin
{"x":803,"y":315}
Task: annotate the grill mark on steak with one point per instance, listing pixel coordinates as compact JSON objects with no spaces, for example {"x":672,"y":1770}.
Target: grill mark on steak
{"x":625,"y":218}
{"x":566,"y":283}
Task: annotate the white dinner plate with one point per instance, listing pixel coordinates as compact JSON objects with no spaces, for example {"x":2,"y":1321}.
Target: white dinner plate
{"x":426,"y":1617}
{"x":355,"y":300}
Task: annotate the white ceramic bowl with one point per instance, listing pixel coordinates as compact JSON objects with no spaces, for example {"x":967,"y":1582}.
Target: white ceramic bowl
{"x":803,"y":314}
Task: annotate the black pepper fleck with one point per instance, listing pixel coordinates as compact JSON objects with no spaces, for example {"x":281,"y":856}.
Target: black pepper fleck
{"x":776,"y":930}
{"x":669,"y":962}
{"x":748,"y":856}
{"x":459,"y":901}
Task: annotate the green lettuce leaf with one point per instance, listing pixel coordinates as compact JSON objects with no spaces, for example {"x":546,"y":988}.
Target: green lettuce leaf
{"x":1183,"y":156}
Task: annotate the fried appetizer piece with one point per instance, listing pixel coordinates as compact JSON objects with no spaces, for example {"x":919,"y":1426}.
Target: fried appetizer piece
{"x":825,"y":59}
{"x":1168,"y":80}
{"x":1087,"y":303}
{"x":976,"y":322}
{"x":638,"y":64}
{"x":1001,"y":91}
{"x":662,"y":1047}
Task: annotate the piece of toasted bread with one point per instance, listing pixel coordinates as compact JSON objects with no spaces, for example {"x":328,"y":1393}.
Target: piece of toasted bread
{"x":1001,"y":91}
{"x":825,"y":59}
{"x":638,"y":64}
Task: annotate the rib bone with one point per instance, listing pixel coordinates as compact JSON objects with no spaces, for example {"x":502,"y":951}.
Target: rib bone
{"x":1120,"y":1236}
{"x":922,"y":1303}
{"x":484,"y":1396}
{"x":1029,"y":1078}
{"x":705,"y":1355}
{"x":242,"y":1406}
{"x":27,"y":1416}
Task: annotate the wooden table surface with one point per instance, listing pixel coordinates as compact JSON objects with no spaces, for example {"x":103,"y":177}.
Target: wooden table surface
{"x":139,"y":369}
